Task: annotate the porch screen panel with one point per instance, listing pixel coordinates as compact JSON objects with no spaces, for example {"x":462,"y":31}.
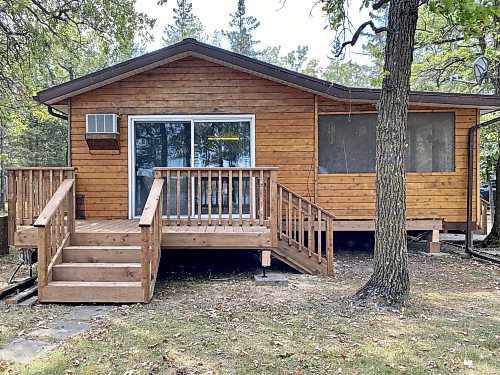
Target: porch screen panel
{"x":346,"y":143}
{"x":431,"y":142}
{"x":161,"y":144}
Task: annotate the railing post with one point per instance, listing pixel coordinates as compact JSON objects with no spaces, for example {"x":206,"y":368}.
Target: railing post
{"x":71,"y":210}
{"x":273,"y":216}
{"x":43,"y":248}
{"x":145,"y":262}
{"x":11,"y":186}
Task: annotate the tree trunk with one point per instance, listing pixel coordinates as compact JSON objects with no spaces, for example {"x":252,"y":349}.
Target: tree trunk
{"x":390,"y":284}
{"x":493,"y":238}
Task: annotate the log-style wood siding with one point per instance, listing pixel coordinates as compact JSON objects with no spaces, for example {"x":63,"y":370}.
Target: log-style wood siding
{"x":284,"y":135}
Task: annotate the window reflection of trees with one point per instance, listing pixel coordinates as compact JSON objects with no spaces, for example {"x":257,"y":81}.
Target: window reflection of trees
{"x":159,"y":144}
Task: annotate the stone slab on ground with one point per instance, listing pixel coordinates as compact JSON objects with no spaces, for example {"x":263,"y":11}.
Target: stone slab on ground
{"x":271,"y":279}
{"x":85,"y":313}
{"x":23,"y":350}
{"x":62,"y":329}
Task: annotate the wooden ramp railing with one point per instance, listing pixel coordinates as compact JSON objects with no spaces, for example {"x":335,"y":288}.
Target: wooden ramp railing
{"x":55,"y":225}
{"x":305,"y":227}
{"x":219,"y":196}
{"x":29,"y":191}
{"x":151,"y":235}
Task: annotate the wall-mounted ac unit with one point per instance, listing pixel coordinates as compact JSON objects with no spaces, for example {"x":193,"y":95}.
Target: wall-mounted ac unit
{"x":102,"y":131}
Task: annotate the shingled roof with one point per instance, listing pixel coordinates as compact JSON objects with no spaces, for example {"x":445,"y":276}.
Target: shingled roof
{"x":192,"y":47}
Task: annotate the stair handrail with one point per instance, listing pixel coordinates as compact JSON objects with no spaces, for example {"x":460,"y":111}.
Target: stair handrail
{"x":55,"y":225}
{"x":151,"y":223}
{"x":295,"y":210}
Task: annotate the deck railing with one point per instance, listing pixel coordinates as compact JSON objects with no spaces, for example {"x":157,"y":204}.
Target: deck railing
{"x":305,"y":226}
{"x":151,"y":232}
{"x":219,"y":196}
{"x":55,"y":225}
{"x":29,"y":191}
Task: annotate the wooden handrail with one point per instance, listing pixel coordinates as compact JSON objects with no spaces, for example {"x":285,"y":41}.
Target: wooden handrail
{"x":55,"y":225}
{"x":151,"y":224}
{"x":54,"y":203}
{"x":40,"y":168}
{"x":301,"y":224}
{"x":152,"y":203}
{"x":195,"y":169}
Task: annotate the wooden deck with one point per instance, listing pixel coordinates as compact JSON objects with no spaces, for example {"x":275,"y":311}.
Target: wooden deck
{"x":173,"y":237}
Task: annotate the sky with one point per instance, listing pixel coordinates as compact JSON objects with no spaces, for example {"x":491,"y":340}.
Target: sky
{"x":296,"y":22}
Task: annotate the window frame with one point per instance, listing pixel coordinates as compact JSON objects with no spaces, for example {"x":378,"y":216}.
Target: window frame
{"x":115,"y":123}
{"x":132,"y":119}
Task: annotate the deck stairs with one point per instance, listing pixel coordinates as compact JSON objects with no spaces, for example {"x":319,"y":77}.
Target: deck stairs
{"x":100,"y":270}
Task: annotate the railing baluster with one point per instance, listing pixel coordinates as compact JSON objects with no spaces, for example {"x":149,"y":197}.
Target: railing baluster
{"x":189,"y":192}
{"x":301,"y":225}
{"x":219,"y":198}
{"x":280,"y":212}
{"x":209,"y":193}
{"x":240,"y":196}
{"x":290,"y":208}
{"x":319,"y":236}
{"x":20,"y":198}
{"x":261,"y":198}
{"x":178,"y":195}
{"x":30,"y":197}
{"x":199,"y":197}
{"x":40,"y":202}
{"x":168,"y":195}
{"x":250,"y":195}
{"x":310,"y":235}
{"x":230,"y":197}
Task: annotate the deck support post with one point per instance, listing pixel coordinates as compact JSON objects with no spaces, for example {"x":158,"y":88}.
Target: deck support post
{"x":265,"y":258}
{"x":433,"y":245}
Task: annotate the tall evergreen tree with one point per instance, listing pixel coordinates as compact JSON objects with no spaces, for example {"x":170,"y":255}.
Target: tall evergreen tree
{"x":186,"y":25}
{"x":240,"y":33}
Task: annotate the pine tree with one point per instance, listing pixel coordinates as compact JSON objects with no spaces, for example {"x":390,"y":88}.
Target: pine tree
{"x":186,"y":25}
{"x":240,"y":33}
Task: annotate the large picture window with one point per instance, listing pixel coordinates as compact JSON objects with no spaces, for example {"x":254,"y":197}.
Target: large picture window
{"x":346,"y":143}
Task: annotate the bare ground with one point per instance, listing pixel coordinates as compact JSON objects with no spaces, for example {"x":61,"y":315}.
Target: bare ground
{"x":211,"y":322}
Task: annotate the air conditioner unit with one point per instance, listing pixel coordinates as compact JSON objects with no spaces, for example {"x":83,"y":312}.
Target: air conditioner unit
{"x":102,"y":131}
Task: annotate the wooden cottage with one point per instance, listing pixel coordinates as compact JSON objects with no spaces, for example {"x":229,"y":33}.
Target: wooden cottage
{"x":193,"y":146}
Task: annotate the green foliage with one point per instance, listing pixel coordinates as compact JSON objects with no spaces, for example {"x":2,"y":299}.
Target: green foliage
{"x":240,"y":33}
{"x":36,"y":140}
{"x":186,"y":25}
{"x":47,"y":42}
{"x":351,"y":74}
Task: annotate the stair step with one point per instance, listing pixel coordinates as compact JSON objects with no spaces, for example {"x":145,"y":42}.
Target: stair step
{"x":87,"y":292}
{"x":118,"y":272}
{"x":101,"y":254}
{"x":105,"y":239}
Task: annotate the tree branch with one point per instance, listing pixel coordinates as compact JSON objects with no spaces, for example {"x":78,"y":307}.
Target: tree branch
{"x":379,"y":4}
{"x":357,"y":34}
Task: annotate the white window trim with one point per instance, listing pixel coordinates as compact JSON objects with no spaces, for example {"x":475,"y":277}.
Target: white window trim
{"x":132,"y":119}
{"x":115,"y":123}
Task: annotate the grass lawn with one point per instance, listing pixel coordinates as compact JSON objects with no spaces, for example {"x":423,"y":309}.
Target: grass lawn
{"x":221,"y":323}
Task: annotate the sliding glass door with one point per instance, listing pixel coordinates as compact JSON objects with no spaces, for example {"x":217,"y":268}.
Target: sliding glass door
{"x":185,"y":141}
{"x":223,"y":144}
